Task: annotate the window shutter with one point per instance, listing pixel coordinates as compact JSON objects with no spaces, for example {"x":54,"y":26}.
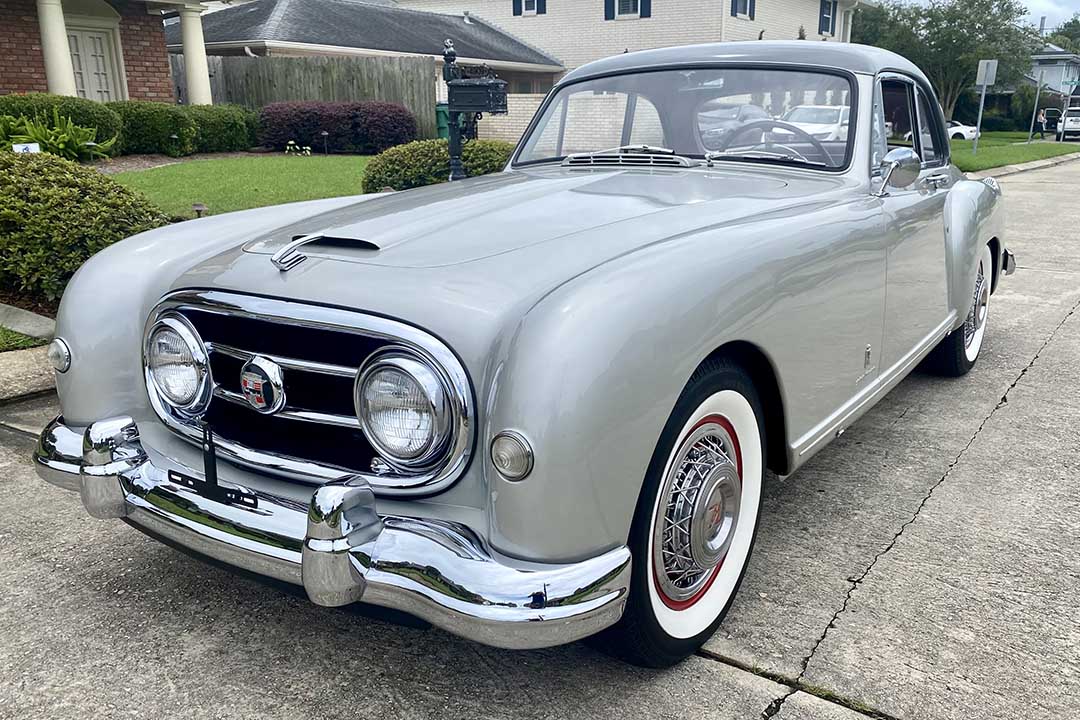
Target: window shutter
{"x":541,"y":7}
{"x":609,"y":9}
{"x":832,"y":19}
{"x":645,"y":8}
{"x":823,"y":17}
{"x":750,"y":9}
{"x":734,"y":8}
{"x":517,"y":7}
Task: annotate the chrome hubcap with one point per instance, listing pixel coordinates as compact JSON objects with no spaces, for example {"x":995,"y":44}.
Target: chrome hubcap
{"x":699,"y":510}
{"x":979,"y":305}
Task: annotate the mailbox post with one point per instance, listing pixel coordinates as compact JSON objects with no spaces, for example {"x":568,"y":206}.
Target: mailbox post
{"x":470,"y":93}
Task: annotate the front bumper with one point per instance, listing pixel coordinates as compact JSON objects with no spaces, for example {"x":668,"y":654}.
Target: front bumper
{"x":338,"y":548}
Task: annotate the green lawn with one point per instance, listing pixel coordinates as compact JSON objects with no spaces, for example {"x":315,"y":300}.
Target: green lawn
{"x":227,"y":184}
{"x":997,"y":149}
{"x":11,"y":340}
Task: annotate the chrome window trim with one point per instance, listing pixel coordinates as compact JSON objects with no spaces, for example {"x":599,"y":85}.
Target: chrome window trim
{"x":287,"y":312}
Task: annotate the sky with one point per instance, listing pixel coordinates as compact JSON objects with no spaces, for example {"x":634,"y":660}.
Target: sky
{"x":1056,"y":11}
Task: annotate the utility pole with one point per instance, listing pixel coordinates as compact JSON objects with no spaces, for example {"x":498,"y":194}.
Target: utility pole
{"x":1035,"y":110}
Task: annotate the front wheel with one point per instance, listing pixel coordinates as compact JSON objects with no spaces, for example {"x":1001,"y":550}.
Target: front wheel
{"x":696,"y":519}
{"x":956,"y":354}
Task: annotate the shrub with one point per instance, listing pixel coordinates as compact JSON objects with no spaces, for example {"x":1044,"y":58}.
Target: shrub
{"x":427,"y":162}
{"x":55,"y":214}
{"x":82,"y":112}
{"x":994,"y":121}
{"x":220,"y":128}
{"x":59,"y":136}
{"x":352,"y":127}
{"x":154,"y":127}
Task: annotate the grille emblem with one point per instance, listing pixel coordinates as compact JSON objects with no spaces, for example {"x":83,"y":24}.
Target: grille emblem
{"x":262,"y":385}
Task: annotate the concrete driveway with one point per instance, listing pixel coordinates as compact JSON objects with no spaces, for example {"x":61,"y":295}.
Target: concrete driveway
{"x":926,"y":565}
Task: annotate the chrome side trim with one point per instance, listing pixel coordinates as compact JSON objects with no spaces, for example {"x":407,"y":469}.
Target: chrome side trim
{"x":341,"y":551}
{"x":286,"y":312}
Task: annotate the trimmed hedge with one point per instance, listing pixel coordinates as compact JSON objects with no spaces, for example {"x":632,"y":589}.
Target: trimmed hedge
{"x":82,"y":112}
{"x":222,"y":128}
{"x":366,"y":127}
{"x":154,"y":127}
{"x":427,"y":162}
{"x":54,"y":215}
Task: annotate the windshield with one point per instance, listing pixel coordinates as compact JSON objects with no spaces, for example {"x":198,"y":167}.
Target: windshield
{"x":814,"y":116}
{"x":736,"y":114}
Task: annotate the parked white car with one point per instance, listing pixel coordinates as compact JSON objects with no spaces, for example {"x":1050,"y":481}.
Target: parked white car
{"x":1069,"y":124}
{"x":959,"y":131}
{"x":823,"y":122}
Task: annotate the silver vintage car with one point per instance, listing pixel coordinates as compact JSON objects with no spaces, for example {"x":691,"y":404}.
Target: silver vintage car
{"x":538,"y":405}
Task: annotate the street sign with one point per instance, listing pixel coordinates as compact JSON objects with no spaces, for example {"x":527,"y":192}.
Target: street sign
{"x":987,"y":74}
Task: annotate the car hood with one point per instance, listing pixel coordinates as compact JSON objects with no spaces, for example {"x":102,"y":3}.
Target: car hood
{"x":458,"y":223}
{"x":482,"y":247}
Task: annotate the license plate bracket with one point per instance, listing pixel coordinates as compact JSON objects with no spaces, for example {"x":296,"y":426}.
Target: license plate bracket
{"x":215,"y":492}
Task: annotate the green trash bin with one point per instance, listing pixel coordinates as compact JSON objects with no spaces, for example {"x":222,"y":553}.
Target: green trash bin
{"x":442,"y":120}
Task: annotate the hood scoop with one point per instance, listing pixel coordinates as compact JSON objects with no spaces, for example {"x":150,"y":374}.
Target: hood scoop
{"x":332,"y":245}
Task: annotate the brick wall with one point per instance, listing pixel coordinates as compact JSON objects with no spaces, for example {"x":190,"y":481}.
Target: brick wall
{"x":510,"y":127}
{"x":575,"y":31}
{"x":146,"y":61}
{"x":22,"y":68}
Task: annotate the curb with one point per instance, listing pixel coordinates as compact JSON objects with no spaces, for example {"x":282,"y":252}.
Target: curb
{"x":26,"y":322}
{"x":1006,"y":170}
{"x":24,"y":373}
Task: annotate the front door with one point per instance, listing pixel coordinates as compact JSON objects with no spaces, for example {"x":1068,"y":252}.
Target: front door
{"x":916,"y":290}
{"x":93,"y":58}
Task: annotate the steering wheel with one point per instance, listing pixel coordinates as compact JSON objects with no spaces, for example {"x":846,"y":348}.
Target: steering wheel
{"x":768,"y":124}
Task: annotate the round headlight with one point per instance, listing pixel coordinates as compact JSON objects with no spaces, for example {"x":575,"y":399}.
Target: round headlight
{"x":404,"y":409}
{"x":177,"y":364}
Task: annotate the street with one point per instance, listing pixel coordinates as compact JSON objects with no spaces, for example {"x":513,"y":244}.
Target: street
{"x":926,"y":565}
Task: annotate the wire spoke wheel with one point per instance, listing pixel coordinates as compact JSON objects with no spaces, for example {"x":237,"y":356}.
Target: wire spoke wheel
{"x":701,"y":499}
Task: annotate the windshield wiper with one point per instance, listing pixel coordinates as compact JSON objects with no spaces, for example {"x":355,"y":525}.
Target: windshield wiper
{"x":765,"y":155}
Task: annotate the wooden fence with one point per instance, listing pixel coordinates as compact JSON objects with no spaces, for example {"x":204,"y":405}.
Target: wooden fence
{"x":254,"y":82}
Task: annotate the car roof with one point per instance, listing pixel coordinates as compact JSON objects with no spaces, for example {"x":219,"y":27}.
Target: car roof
{"x":835,"y":55}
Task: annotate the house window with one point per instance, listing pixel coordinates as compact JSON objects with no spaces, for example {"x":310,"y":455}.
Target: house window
{"x":628,"y":7}
{"x":742,"y":7}
{"x":530,"y":7}
{"x":827,"y":18}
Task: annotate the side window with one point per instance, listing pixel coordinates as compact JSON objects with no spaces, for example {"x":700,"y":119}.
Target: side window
{"x":878,"y":135}
{"x":928,"y":145}
{"x":897,"y":101}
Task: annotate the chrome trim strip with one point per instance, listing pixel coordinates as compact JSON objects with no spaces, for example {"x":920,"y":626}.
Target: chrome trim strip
{"x":292,"y":413}
{"x":285,"y":362}
{"x":287,"y":312}
{"x":340,"y":550}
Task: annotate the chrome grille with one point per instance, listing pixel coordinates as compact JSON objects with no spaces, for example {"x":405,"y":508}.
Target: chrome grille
{"x":316,"y":437}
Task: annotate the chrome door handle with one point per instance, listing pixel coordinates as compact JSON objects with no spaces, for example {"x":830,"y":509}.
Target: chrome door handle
{"x":938,"y":180}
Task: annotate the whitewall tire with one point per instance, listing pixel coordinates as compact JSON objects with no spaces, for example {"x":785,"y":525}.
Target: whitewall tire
{"x":956,"y":354}
{"x":696,"y":519}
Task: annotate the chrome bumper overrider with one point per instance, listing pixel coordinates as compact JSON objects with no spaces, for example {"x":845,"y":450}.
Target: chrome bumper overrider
{"x":338,"y":548}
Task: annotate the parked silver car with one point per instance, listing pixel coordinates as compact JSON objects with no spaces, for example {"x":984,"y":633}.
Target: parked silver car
{"x":537,"y":405}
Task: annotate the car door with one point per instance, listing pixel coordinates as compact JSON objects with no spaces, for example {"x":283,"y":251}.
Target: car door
{"x":916,"y":291}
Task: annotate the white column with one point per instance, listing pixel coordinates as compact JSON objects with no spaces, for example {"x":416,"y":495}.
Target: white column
{"x":195,"y":69}
{"x":54,"y":48}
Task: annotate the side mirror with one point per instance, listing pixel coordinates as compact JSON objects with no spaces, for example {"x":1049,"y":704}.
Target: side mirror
{"x":901,"y":167}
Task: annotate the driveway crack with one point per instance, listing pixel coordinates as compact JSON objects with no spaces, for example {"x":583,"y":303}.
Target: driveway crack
{"x":857,"y":580}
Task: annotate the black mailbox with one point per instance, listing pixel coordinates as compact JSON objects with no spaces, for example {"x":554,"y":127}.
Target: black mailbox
{"x":477,"y":95}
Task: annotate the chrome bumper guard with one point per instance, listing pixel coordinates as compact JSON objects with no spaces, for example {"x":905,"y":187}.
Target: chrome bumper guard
{"x":1008,"y":263}
{"x":338,"y":548}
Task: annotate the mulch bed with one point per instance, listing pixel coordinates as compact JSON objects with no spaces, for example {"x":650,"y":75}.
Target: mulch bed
{"x":46,"y":308}
{"x":111,"y":166}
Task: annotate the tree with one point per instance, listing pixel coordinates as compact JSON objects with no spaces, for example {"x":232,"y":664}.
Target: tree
{"x":1070,"y":29}
{"x":1064,"y":42}
{"x":947,"y":38}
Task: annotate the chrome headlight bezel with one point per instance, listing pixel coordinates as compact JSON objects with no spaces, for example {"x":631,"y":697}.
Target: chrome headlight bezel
{"x":442,"y":399}
{"x":204,"y":386}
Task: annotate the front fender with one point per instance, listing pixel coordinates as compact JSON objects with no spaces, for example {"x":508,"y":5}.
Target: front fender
{"x":106,"y":303}
{"x":974,"y":214}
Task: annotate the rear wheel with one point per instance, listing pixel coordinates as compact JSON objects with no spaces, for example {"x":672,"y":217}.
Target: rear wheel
{"x":696,"y":519}
{"x":958,"y":136}
{"x":956,"y":354}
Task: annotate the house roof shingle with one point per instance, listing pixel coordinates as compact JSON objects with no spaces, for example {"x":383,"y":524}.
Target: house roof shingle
{"x":368,"y":25}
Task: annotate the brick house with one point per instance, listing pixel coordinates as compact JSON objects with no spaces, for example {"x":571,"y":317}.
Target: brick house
{"x":580,"y":31}
{"x":98,"y":49}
